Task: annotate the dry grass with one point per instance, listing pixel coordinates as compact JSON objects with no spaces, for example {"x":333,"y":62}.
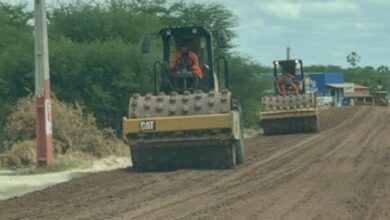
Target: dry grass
{"x":76,"y":135}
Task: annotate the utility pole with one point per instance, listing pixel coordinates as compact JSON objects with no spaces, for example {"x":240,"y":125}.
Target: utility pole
{"x":288,"y":52}
{"x":42,"y":87}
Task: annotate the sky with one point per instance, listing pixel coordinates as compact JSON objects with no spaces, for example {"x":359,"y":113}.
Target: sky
{"x":317,"y":31}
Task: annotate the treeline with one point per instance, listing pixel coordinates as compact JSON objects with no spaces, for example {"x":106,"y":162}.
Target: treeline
{"x":95,"y":58}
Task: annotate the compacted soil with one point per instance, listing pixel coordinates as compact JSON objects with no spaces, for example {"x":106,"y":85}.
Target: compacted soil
{"x":342,"y":172}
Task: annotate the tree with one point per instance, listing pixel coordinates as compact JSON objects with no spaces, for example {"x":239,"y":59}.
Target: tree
{"x":86,"y":22}
{"x":16,"y":57}
{"x":247,"y":86}
{"x":382,"y":69}
{"x":322,"y":68}
{"x":385,"y":73}
{"x":353,"y":58}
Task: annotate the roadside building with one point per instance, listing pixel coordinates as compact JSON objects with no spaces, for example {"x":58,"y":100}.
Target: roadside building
{"x":381,"y":98}
{"x":337,"y":91}
{"x":359,"y":95}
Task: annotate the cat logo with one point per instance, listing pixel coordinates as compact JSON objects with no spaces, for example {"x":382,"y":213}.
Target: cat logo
{"x":147,"y":125}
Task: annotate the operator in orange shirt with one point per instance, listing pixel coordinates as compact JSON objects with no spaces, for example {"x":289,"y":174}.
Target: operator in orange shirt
{"x":288,"y":80}
{"x":186,"y":59}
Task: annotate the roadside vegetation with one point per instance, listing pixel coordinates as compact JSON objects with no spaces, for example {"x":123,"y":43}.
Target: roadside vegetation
{"x":77,"y":139}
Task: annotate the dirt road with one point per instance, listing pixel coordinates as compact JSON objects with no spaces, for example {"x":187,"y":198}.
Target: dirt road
{"x":341,"y":173}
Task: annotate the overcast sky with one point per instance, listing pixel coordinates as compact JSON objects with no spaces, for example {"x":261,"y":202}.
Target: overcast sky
{"x":318,"y":31}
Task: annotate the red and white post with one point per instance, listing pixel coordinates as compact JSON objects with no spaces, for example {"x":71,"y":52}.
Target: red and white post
{"x":42,"y":87}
